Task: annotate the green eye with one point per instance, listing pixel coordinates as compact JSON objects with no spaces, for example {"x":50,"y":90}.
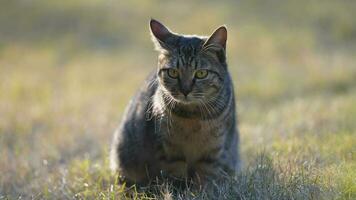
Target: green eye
{"x":173,"y":73}
{"x":201,"y":73}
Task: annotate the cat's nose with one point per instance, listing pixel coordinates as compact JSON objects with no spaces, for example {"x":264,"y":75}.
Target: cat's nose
{"x":186,"y":92}
{"x":186,"y":86}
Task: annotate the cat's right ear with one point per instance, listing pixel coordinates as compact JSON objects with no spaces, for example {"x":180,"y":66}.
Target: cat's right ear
{"x":162,"y":37}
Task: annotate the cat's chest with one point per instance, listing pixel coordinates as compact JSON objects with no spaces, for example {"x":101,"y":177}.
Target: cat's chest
{"x":190,"y":137}
{"x":186,"y":130}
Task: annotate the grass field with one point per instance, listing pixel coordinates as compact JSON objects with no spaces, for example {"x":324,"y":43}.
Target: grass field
{"x":68,"y":69}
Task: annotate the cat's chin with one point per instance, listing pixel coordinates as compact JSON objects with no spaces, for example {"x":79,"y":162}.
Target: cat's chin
{"x":186,"y":100}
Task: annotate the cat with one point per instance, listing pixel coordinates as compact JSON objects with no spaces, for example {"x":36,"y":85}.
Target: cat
{"x":181,"y":124}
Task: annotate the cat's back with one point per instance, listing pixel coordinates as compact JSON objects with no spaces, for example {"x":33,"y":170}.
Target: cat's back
{"x":137,"y":109}
{"x":134,"y":137}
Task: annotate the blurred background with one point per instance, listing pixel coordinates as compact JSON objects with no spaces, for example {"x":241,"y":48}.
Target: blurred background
{"x":69,"y":68}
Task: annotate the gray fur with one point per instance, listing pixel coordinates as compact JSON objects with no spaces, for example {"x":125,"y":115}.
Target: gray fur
{"x":181,"y":127}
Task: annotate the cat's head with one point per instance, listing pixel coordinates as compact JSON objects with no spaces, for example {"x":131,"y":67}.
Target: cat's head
{"x":191,"y":69}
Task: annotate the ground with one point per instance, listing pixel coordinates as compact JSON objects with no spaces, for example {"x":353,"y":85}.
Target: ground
{"x":67,"y":71}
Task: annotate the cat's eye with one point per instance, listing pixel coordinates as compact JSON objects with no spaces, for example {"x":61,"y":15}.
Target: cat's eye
{"x":201,"y":73}
{"x":173,"y":73}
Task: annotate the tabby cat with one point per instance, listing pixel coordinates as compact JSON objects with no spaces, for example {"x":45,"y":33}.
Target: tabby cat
{"x":181,"y":124}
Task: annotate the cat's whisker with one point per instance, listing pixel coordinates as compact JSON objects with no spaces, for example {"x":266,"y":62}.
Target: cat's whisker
{"x":207,"y":116}
{"x":168,"y":107}
{"x":152,"y":83}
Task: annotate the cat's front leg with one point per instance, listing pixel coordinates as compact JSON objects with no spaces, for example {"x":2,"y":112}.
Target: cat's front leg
{"x":210,"y":170}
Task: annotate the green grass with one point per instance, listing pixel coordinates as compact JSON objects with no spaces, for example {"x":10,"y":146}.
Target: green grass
{"x":67,"y":71}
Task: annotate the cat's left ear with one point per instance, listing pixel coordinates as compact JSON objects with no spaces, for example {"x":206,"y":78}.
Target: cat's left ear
{"x":218,"y":38}
{"x":162,"y":37}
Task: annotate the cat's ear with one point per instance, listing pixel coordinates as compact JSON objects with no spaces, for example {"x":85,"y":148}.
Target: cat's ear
{"x":162,"y":37}
{"x":216,"y":44}
{"x":218,"y":38}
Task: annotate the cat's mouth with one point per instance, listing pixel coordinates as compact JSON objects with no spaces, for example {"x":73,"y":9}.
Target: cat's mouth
{"x":186,"y":99}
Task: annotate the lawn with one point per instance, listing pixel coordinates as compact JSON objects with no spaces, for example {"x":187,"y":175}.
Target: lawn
{"x":68,"y":69}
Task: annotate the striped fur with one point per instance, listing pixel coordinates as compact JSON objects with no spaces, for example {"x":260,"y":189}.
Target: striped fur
{"x":182,"y":127}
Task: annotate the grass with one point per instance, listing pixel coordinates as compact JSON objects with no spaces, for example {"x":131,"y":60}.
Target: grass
{"x":67,"y":71}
